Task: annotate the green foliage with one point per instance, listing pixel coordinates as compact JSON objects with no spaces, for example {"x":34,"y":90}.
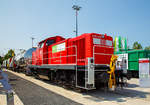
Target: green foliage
{"x":147,"y":48}
{"x":137,"y":45}
{"x":1,"y":60}
{"x":10,"y":54}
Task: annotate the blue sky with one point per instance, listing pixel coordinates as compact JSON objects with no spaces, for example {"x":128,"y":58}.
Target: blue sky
{"x":22,"y":19}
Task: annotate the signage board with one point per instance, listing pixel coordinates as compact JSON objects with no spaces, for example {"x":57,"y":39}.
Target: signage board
{"x":144,"y":72}
{"x":59,"y":47}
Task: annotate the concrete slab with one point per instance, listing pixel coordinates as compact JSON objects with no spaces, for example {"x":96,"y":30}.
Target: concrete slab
{"x":3,"y":99}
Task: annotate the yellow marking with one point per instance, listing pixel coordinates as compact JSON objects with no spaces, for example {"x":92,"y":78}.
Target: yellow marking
{"x":112,"y":79}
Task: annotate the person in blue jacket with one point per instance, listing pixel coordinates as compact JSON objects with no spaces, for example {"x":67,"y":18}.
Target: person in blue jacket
{"x":4,"y":81}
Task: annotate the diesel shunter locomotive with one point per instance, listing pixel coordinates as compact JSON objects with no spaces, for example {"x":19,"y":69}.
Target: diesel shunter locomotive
{"x":83,"y":61}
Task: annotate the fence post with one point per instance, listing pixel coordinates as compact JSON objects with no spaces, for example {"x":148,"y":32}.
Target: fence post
{"x":10,"y":98}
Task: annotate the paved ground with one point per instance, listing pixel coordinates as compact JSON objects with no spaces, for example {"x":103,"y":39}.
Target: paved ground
{"x":36,"y":92}
{"x":32,"y":94}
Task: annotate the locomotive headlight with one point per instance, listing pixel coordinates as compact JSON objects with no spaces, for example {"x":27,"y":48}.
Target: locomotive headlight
{"x":91,"y":66}
{"x":91,"y":63}
{"x":92,"y":60}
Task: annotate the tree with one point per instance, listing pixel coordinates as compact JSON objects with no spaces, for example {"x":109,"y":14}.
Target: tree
{"x":147,"y":48}
{"x":10,"y":54}
{"x":137,"y":45}
{"x":1,"y":60}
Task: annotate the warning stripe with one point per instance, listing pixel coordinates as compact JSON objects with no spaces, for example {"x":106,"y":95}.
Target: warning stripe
{"x":144,"y":61}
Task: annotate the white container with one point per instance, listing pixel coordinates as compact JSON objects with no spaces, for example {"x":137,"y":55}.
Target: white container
{"x":144,"y":72}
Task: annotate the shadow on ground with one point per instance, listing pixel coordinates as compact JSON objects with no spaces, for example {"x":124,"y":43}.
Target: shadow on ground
{"x":132,"y":85}
{"x":13,"y":79}
{"x":120,"y":95}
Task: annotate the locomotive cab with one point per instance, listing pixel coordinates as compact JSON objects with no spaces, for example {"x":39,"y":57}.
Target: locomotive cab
{"x":40,"y":55}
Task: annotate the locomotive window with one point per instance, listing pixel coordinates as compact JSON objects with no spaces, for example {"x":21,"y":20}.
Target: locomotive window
{"x":102,"y":42}
{"x":41,"y":45}
{"x":108,"y":43}
{"x":50,"y":42}
{"x":96,"y":41}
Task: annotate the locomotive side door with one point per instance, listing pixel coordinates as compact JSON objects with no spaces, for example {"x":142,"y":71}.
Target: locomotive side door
{"x":40,"y":53}
{"x":46,"y":50}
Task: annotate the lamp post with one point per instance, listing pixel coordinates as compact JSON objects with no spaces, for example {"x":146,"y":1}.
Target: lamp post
{"x":32,"y":41}
{"x":76,"y":8}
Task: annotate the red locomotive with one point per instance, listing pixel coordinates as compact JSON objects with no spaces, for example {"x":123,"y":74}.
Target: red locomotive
{"x":82,"y":61}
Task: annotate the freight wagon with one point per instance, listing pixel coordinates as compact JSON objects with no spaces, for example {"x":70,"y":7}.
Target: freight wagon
{"x":81,"y":62}
{"x":132,"y":57}
{"x":23,"y":59}
{"x":20,"y":61}
{"x":8,"y":63}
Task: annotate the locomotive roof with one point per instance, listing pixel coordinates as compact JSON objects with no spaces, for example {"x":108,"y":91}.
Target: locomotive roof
{"x":50,"y":38}
{"x":89,"y":34}
{"x":78,"y":37}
